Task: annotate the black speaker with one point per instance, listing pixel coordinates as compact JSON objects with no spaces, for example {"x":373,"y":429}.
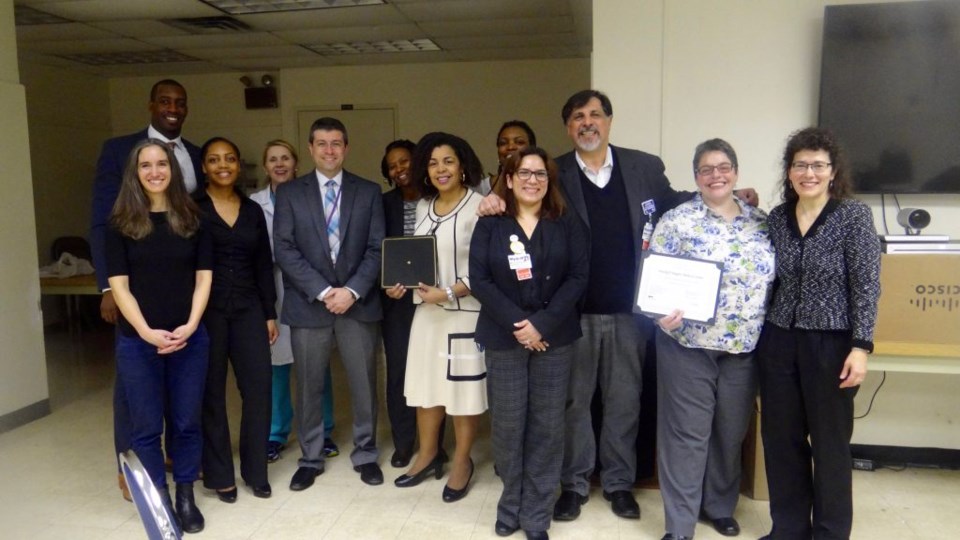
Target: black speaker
{"x":261,"y":98}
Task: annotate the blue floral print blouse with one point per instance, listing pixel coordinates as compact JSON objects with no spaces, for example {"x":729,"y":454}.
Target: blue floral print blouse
{"x":743,"y":245}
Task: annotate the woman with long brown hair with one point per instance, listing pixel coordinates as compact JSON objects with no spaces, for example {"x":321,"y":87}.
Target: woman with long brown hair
{"x":159,"y":263}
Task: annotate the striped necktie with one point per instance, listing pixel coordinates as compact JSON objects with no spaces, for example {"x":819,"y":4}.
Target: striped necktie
{"x":332,"y":212}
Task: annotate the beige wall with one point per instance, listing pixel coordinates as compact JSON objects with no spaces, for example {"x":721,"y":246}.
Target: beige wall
{"x":748,"y":71}
{"x":69,"y":117}
{"x":469,"y":99}
{"x":23,"y":371}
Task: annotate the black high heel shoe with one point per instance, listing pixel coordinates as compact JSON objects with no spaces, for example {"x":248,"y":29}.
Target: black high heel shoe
{"x":453,"y":495}
{"x":435,"y":467}
{"x":229,"y":496}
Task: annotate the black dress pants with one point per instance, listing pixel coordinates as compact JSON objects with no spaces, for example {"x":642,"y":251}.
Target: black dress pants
{"x":239,"y":335}
{"x":397,"y":318}
{"x":806,"y":424}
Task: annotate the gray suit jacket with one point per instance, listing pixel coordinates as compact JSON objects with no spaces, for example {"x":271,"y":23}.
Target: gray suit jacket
{"x":303,"y":252}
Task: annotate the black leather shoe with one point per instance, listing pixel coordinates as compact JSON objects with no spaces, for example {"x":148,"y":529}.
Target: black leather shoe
{"x":229,"y":496}
{"x":623,"y":504}
{"x":568,"y":506}
{"x":537,"y":535}
{"x":435,"y":468}
{"x":304,"y":477}
{"x":726,"y":526}
{"x":191,"y":520}
{"x":370,"y":474}
{"x":400,"y":459}
{"x":502,"y":529}
{"x":453,"y":495}
{"x":263,"y":492}
{"x":671,"y":536}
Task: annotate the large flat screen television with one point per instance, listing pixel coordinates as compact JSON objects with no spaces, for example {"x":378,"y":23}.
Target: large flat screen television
{"x":890,"y":91}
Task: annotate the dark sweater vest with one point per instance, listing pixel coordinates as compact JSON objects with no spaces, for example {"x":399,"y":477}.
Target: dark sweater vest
{"x":612,"y":251}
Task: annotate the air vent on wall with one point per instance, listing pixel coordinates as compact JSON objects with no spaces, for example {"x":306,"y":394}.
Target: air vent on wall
{"x":208,"y":25}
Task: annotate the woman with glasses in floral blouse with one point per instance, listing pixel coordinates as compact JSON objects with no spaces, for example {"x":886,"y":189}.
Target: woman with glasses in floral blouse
{"x":706,"y":373}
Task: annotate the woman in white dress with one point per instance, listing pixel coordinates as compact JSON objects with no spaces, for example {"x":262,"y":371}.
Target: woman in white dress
{"x":445,"y":368}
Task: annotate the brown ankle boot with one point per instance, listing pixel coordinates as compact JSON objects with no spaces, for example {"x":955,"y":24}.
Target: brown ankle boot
{"x":124,"y":490}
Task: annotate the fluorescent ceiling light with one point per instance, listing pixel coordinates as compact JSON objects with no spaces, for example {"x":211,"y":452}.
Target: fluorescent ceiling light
{"x":245,"y":7}
{"x":120,"y":58}
{"x":367,"y":47}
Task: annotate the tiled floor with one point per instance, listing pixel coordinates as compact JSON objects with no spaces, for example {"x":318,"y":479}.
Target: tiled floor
{"x":57,"y":481}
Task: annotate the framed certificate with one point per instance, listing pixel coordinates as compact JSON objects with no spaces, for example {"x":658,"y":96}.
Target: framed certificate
{"x":669,"y":282}
{"x":409,"y":261}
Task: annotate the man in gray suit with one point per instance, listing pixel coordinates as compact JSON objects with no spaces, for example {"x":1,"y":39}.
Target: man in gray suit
{"x":328,"y":225}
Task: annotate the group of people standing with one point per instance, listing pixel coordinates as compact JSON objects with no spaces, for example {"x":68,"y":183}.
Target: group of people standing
{"x":533,"y":313}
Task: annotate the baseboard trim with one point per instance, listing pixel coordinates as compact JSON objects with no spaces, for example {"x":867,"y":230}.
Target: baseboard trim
{"x":19,"y":417}
{"x":893,"y":456}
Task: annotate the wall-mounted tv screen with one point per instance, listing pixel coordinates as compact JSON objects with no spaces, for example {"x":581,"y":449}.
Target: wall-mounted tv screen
{"x":890,"y":91}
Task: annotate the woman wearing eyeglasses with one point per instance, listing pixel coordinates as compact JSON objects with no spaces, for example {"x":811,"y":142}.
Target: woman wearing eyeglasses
{"x":707,"y":373}
{"x":818,"y":333}
{"x":528,"y":268}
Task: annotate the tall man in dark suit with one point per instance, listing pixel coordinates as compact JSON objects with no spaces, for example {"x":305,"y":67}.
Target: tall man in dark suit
{"x":328,"y":225}
{"x":168,"y":111}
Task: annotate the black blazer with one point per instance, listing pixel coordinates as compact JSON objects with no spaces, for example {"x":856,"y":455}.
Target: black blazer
{"x":561,"y":269}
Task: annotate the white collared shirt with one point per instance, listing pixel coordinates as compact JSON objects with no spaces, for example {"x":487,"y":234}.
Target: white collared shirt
{"x":183,"y":158}
{"x":602,"y":177}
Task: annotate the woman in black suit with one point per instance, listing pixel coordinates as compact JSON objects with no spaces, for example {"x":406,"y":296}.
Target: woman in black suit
{"x":528,"y":268}
{"x":400,"y":211}
{"x":241,"y":319}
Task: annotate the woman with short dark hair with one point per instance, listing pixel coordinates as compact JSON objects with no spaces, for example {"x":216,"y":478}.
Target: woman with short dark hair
{"x":445,"y":373}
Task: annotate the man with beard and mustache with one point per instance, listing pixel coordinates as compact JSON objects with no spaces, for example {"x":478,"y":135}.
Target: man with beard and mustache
{"x":616,"y":192}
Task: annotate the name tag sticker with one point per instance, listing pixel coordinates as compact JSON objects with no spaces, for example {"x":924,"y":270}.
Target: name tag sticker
{"x":519,"y":261}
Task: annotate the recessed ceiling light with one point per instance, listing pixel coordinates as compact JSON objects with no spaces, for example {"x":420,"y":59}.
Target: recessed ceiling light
{"x":245,"y":7}
{"x":120,"y":58}
{"x":367,"y":47}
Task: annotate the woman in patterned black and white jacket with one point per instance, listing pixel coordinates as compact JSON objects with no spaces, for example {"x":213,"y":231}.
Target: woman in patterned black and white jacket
{"x":818,"y":333}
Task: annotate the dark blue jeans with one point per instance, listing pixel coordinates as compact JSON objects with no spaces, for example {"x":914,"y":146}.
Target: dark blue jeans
{"x":149,"y":380}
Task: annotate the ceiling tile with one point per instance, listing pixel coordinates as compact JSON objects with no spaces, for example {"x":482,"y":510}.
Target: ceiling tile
{"x":509,"y":42}
{"x":459,"y":10}
{"x":325,"y":18}
{"x":275,"y":63}
{"x":90,"y":46}
{"x":215,"y":54}
{"x":115,"y":10}
{"x":250,"y":39}
{"x":66,"y":31}
{"x":353,"y":33}
{"x":499,"y":27}
{"x":140,"y":29}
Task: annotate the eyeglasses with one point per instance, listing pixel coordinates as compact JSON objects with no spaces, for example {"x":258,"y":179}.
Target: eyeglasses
{"x":707,"y":170}
{"x":817,"y":166}
{"x":525,"y":174}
